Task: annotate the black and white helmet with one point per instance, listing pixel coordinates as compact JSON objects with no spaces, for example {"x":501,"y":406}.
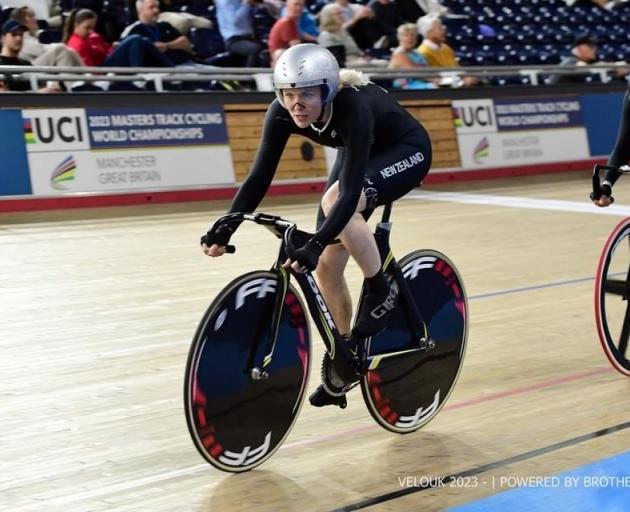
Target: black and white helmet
{"x":306,"y":65}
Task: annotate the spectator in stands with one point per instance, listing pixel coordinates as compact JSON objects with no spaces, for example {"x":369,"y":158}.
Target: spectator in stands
{"x":12,"y":39}
{"x":406,"y":56}
{"x":358,"y":20}
{"x":583,"y":53}
{"x":133,"y":51}
{"x":285,"y":32}
{"x":80,"y":35}
{"x":169,"y":41}
{"x":435,"y":50}
{"x":38,"y":54}
{"x":387,"y":18}
{"x":236,"y":27}
{"x":334,"y":37}
{"x":307,"y":26}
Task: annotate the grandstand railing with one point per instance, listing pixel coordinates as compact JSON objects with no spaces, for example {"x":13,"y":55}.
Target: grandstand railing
{"x":536,"y":74}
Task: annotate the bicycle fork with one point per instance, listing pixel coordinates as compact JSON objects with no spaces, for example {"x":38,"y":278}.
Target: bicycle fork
{"x":256,"y":366}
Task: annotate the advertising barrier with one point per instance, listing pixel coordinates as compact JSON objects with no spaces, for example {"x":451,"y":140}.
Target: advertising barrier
{"x":520,"y":131}
{"x":14,"y":175}
{"x":103,"y":151}
{"x":135,"y":151}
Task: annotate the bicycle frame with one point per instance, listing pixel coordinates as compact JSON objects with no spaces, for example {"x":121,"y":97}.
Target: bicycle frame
{"x":336,"y":344}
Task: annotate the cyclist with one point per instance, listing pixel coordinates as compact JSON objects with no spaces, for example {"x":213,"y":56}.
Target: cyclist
{"x":383,"y":153}
{"x":619,"y":156}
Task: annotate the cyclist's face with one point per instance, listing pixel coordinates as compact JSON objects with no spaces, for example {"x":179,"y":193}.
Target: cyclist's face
{"x":304,"y":104}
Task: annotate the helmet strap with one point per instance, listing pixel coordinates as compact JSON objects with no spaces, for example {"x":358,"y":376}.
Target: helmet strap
{"x":321,"y":117}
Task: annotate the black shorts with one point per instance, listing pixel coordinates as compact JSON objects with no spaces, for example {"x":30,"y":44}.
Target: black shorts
{"x":392,"y":173}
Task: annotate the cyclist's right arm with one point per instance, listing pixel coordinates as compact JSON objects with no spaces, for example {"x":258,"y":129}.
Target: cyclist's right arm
{"x":275,"y":133}
{"x":619,"y":156}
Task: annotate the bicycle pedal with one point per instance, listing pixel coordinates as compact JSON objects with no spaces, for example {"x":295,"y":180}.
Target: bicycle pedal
{"x":321,"y":398}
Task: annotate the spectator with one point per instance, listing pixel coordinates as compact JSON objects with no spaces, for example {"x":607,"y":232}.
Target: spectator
{"x":333,"y":35}
{"x":169,"y":41}
{"x":583,"y":53}
{"x":353,"y":13}
{"x":387,"y":19}
{"x":406,"y":56}
{"x":236,"y":27}
{"x":307,"y":26}
{"x":434,"y":48}
{"x":38,"y":54}
{"x":12,"y":38}
{"x":284,"y":32}
{"x":80,"y":35}
{"x":358,"y":20}
{"x":133,"y":51}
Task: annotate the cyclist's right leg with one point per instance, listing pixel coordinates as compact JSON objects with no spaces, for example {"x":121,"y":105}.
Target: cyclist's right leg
{"x":334,"y":288}
{"x":333,"y":285}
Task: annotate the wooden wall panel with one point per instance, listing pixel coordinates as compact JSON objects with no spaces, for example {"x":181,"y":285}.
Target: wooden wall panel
{"x":244,"y":124}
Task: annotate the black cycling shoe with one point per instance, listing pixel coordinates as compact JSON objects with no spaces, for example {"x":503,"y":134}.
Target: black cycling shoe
{"x":375,"y":311}
{"x":320,"y":398}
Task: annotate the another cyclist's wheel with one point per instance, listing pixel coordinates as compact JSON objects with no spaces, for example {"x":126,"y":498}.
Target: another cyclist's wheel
{"x":406,"y":391}
{"x":612,"y":289}
{"x":237,"y":422}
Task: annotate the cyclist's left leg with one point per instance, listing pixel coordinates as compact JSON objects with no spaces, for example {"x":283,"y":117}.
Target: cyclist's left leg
{"x":390,"y":174}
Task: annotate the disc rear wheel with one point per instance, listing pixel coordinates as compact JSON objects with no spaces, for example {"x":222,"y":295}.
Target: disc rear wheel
{"x":406,"y":391}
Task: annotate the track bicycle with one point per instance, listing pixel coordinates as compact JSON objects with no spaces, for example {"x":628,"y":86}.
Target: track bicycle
{"x":612,"y":286}
{"x":249,"y":360}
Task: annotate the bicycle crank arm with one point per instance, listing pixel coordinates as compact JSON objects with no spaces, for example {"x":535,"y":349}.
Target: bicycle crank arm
{"x":374,"y":361}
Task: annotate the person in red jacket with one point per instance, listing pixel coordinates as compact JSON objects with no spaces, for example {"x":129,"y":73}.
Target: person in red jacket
{"x":285,"y":32}
{"x":132,"y":51}
{"x":80,"y":35}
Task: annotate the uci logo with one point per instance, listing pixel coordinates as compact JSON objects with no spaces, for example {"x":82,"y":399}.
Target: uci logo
{"x":480,"y":115}
{"x":53,"y":130}
{"x":474,"y":116}
{"x":66,"y":129}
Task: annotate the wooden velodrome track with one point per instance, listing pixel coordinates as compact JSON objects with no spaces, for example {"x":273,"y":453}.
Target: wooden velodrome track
{"x":98,"y":307}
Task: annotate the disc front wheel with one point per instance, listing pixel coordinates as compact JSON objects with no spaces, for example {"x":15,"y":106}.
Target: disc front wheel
{"x":237,"y":422}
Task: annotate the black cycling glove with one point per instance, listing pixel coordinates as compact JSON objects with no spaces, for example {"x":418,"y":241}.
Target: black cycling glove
{"x":308,"y":255}
{"x":220,"y":236}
